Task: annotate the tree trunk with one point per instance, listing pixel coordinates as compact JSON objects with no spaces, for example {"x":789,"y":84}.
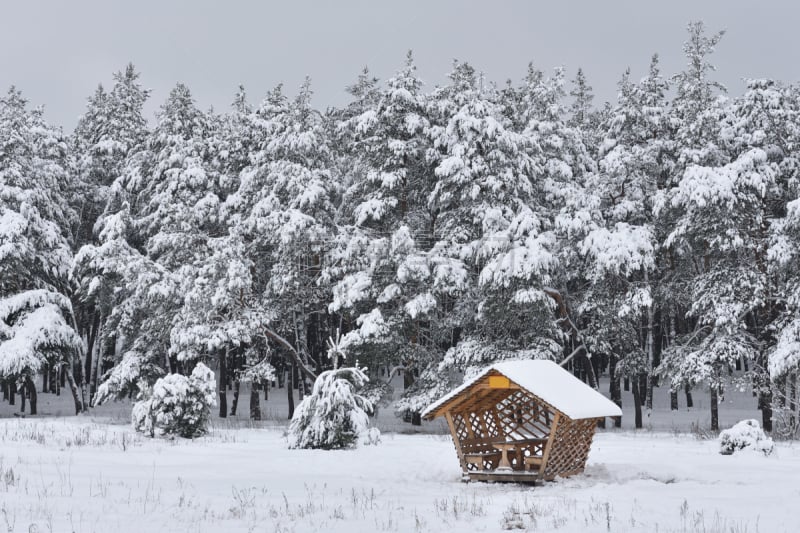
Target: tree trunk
{"x":714,"y":408}
{"x":792,"y":403}
{"x":12,"y":392}
{"x":255,"y":405}
{"x":73,"y":387}
{"x":4,"y":385}
{"x":83,"y":390}
{"x":80,"y":381}
{"x":98,"y":356}
{"x":765,"y":396}
{"x":637,"y":402}
{"x":644,"y":381}
{"x":290,"y":390}
{"x":22,"y":398}
{"x":222,"y":379}
{"x":650,"y":349}
{"x":591,"y":378}
{"x":764,"y":386}
{"x":689,"y":400}
{"x":672,"y":332}
{"x":280,"y":370}
{"x":408,"y":378}
{"x":89,"y":337}
{"x":626,"y":384}
{"x":591,"y":367}
{"x":235,"y":404}
{"x":614,"y":388}
{"x":45,"y":376}
{"x":300,"y":380}
{"x":31,"y":386}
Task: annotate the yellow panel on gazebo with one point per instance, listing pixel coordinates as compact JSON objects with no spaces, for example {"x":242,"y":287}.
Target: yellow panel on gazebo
{"x":499,"y":382}
{"x":522,"y":421}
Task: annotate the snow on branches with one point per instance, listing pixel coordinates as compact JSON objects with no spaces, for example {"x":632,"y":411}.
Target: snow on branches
{"x":33,"y":332}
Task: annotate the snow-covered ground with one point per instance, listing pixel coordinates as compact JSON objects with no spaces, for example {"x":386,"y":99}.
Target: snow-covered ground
{"x":70,"y":474}
{"x":94,"y":474}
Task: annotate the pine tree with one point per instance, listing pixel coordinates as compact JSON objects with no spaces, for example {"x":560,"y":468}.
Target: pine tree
{"x":380,"y":263}
{"x":715,"y":202}
{"x":157,"y":243}
{"x":625,"y":277}
{"x":111,"y":130}
{"x":491,"y":234}
{"x":281,"y":220}
{"x":762,"y":121}
{"x":566,"y":202}
{"x":35,"y":317}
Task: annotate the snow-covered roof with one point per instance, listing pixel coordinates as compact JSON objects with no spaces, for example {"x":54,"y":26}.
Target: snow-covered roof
{"x":548,"y":381}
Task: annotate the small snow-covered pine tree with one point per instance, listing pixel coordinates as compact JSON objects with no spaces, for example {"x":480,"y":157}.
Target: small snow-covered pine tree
{"x":334,"y":415}
{"x":176,"y":404}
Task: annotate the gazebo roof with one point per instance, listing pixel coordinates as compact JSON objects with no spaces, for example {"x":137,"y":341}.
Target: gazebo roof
{"x":548,"y":381}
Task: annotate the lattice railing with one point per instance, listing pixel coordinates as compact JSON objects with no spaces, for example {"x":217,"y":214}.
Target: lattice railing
{"x":460,"y":427}
{"x":570,"y":449}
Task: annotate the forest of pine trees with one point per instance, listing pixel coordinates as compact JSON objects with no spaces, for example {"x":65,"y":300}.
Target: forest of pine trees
{"x":651,"y":240}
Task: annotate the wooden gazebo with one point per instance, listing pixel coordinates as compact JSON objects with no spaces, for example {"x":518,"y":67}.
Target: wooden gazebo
{"x":522,"y":421}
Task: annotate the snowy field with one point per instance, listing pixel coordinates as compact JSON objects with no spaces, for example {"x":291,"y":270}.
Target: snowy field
{"x":92,"y":473}
{"x":70,"y":474}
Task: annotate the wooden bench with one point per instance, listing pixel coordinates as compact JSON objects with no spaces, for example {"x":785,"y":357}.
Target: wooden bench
{"x":477,"y":458}
{"x":533,"y":460}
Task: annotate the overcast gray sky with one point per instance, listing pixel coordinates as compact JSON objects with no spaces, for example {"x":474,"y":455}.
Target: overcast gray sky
{"x":57,"y":51}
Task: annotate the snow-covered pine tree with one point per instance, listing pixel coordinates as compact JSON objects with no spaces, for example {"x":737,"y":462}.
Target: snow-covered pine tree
{"x":491,"y":231}
{"x":283,"y":214}
{"x":158,"y":240}
{"x":582,"y":114}
{"x":34,"y":333}
{"x":385,"y":277}
{"x":623,"y":274}
{"x":111,"y":130}
{"x":764,"y":119}
{"x":335,"y":414}
{"x":35,"y":222}
{"x":564,"y":197}
{"x":176,"y":404}
{"x":237,"y":138}
{"x":716,"y":204}
{"x":116,"y":278}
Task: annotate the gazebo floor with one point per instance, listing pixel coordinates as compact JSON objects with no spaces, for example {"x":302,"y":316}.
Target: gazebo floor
{"x":508,"y":476}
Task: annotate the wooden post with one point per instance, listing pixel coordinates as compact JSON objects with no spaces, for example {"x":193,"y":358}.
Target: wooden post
{"x":456,"y":442}
{"x":550,"y":440}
